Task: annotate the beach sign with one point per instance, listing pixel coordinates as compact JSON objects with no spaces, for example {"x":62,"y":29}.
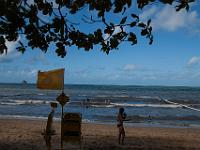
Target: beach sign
{"x":62,"y":99}
{"x":72,"y":127}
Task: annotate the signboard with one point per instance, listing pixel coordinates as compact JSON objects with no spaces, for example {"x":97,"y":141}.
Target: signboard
{"x":71,"y":127}
{"x":62,"y":99}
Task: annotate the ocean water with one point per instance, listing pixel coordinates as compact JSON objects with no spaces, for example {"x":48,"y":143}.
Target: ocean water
{"x":144,"y":105}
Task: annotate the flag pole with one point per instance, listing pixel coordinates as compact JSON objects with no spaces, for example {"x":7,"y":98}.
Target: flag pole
{"x":62,"y":129}
{"x":62,"y":115}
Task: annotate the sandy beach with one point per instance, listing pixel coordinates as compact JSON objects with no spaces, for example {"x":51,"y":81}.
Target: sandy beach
{"x":24,"y":134}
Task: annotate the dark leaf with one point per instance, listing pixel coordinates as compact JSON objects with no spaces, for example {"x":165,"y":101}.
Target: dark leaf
{"x":135,"y":16}
{"x":107,"y":52}
{"x":112,"y":24}
{"x":100,"y":14}
{"x":150,"y":29}
{"x":144,"y":32}
{"x":132,"y":38}
{"x":58,"y":1}
{"x":128,"y":2}
{"x":142,"y":3}
{"x":108,"y":30}
{"x":167,"y":1}
{"x":142,"y":25}
{"x":21,"y":49}
{"x":151,"y":40}
{"x":133,"y":24}
{"x":187,"y":7}
{"x":123,"y":20}
{"x":124,"y":11}
{"x":114,"y":43}
{"x":148,"y":22}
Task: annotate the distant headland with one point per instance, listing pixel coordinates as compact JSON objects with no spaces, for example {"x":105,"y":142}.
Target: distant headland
{"x":24,"y":82}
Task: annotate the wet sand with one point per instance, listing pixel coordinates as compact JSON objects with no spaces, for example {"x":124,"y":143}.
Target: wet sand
{"x":22,"y":134}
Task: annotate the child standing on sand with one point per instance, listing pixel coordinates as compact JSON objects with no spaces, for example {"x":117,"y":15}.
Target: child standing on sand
{"x":120,"y":119}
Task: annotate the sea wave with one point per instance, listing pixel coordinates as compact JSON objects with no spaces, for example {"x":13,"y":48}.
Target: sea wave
{"x":147,"y":97}
{"x":23,"y":102}
{"x":40,"y":94}
{"x":182,"y":105}
{"x":146,"y":105}
{"x":156,"y":102}
{"x":102,"y":96}
{"x":108,"y":104}
{"x":23,"y":117}
{"x":121,"y":96}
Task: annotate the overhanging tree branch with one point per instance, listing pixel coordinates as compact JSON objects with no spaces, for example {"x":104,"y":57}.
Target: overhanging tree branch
{"x":23,"y":17}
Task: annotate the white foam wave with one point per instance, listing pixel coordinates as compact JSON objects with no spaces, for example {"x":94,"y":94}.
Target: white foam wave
{"x":115,"y":96}
{"x":7,"y":103}
{"x":24,"y":102}
{"x":136,"y":105}
{"x":21,"y":117}
{"x":181,"y":105}
{"x":26,"y":117}
{"x":146,"y":105}
{"x":108,"y":106}
{"x":102,"y":96}
{"x":87,"y":121}
{"x":122,"y":96}
{"x":40,"y":94}
{"x":147,"y":97}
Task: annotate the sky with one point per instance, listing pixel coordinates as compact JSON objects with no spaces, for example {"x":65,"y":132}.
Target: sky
{"x":172,"y":60}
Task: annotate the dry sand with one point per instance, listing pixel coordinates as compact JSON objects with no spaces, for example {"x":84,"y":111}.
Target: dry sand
{"x":26,"y":135}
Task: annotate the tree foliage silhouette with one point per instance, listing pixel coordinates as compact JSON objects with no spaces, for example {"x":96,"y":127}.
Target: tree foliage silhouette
{"x":26,"y":18}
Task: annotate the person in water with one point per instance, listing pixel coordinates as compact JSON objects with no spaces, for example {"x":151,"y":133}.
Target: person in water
{"x":120,"y":119}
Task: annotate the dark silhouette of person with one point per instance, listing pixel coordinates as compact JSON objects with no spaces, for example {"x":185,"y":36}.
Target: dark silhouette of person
{"x":49,"y":129}
{"x":120,"y":119}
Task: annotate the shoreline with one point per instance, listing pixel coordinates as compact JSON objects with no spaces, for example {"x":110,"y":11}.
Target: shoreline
{"x":26,"y":134}
{"x":85,"y":121}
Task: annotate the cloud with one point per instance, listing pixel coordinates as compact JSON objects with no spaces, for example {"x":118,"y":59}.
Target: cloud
{"x":193,"y":61}
{"x":129,"y":67}
{"x":135,"y":74}
{"x":16,"y":74}
{"x":26,"y":72}
{"x":148,"y":13}
{"x":38,"y":59}
{"x":12,"y":53}
{"x":166,"y":18}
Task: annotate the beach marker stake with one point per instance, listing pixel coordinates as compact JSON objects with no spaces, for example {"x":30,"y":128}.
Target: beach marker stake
{"x":62,"y":99}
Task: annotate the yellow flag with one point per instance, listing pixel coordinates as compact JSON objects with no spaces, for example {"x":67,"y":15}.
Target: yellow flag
{"x":53,"y":79}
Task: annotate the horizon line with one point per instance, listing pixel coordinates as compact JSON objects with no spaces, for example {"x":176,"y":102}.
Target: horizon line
{"x":89,"y":84}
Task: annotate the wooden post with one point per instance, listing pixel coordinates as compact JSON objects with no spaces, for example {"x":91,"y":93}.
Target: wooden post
{"x":62,"y":99}
{"x":62,"y":113}
{"x":62,"y":128}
